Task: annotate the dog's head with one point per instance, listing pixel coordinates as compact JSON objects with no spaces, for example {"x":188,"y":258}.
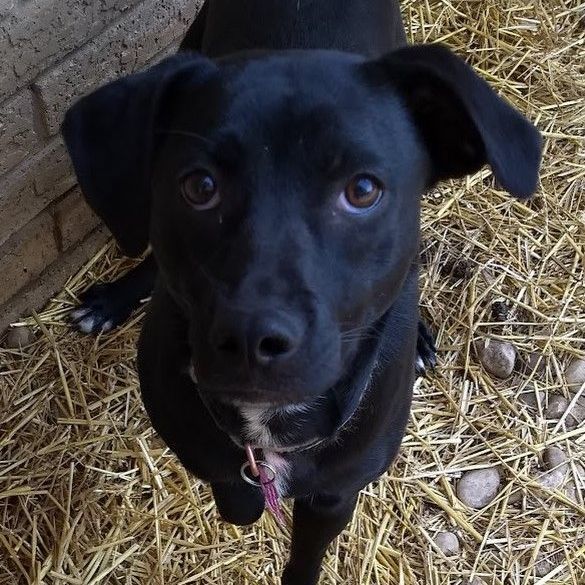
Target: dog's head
{"x":280,"y":193}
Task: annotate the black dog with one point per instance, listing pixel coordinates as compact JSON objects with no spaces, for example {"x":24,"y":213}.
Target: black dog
{"x":279,"y":189}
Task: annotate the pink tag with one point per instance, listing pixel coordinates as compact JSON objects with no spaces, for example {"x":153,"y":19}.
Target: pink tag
{"x":266,"y":483}
{"x":270,"y":494}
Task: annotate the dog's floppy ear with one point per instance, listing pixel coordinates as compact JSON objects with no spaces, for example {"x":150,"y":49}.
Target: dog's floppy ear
{"x":110,"y":137}
{"x":462,"y":121}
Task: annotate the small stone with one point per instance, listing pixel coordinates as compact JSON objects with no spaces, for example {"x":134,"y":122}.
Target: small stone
{"x":535,"y":362}
{"x":532,"y":398}
{"x":448,"y":543}
{"x":571,"y":491}
{"x":554,"y":457}
{"x":551,"y":479}
{"x":479,"y":487}
{"x":19,"y":337}
{"x":544,"y":564}
{"x":575,"y":416}
{"x":575,"y":374}
{"x":497,"y":357}
{"x":516,"y":496}
{"x":557,"y":405}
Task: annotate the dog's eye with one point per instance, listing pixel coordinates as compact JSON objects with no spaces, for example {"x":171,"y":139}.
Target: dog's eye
{"x":200,"y":190}
{"x":361,"y":193}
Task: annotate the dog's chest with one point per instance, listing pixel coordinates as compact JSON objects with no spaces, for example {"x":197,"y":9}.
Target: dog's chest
{"x":257,"y":431}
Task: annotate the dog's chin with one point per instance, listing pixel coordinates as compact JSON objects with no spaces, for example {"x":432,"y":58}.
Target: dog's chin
{"x":243,"y":396}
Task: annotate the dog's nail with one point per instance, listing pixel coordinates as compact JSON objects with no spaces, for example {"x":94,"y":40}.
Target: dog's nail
{"x":192,"y":373}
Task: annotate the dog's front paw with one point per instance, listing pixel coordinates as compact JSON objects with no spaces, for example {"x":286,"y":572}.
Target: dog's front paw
{"x":102,"y":308}
{"x":426,"y":352}
{"x":241,"y":504}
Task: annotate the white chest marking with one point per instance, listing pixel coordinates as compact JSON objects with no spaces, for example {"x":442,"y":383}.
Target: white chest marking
{"x":256,"y":424}
{"x":257,"y":432}
{"x":256,"y":419}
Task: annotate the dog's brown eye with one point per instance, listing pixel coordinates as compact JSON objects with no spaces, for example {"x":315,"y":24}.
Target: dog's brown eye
{"x":200,"y":190}
{"x":362,"y":192}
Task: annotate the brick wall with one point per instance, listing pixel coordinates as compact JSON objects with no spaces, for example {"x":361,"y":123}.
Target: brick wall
{"x":51,"y":52}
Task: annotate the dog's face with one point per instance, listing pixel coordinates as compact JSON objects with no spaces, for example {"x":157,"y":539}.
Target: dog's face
{"x":285,"y":219}
{"x":280,"y":194}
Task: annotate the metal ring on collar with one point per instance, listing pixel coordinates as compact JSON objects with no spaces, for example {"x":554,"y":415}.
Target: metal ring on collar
{"x":263,"y":464}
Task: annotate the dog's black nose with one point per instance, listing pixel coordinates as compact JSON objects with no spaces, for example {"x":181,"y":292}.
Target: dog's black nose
{"x":272,"y":339}
{"x":265,"y":340}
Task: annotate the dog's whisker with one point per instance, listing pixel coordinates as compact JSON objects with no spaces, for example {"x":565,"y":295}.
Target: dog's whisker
{"x":370,"y":331}
{"x":358,"y":339}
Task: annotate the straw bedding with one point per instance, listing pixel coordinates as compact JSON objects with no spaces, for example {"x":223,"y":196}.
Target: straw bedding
{"x":89,"y":494}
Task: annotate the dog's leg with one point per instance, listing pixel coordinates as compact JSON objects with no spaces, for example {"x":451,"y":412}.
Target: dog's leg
{"x":317,"y":521}
{"x":105,"y":306}
{"x":426,"y":357}
{"x":241,"y":505}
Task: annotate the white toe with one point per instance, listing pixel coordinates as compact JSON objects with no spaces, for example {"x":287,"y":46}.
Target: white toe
{"x":79,"y":313}
{"x":86,"y":325}
{"x":107,"y":326}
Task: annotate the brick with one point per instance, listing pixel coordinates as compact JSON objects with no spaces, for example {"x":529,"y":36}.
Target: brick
{"x":127,"y":46}
{"x":73,"y":219}
{"x":29,"y":188}
{"x":6,"y":8}
{"x":79,"y":44}
{"x":39,"y":243}
{"x":35,"y":35}
{"x":17,"y":135}
{"x":52,"y":279}
{"x":26,"y":254}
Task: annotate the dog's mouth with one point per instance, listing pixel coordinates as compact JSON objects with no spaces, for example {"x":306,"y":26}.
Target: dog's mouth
{"x":248,"y":417}
{"x":251,"y":392}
